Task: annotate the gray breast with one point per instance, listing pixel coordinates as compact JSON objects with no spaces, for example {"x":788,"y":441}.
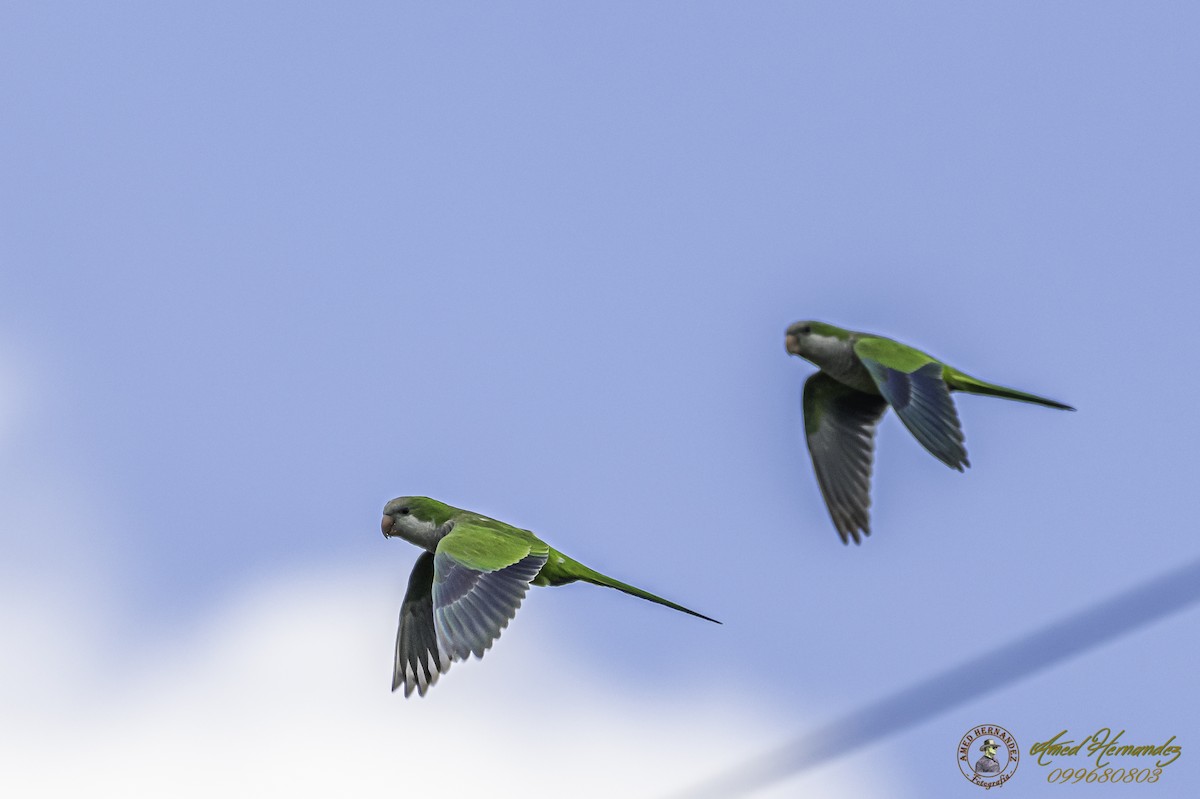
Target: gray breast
{"x":837,"y":359}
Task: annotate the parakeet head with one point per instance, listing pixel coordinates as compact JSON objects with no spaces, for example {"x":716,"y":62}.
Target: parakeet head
{"x":815,"y":340}
{"x":414,"y":519}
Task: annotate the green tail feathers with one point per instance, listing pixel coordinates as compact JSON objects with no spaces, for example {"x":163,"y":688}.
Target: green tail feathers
{"x":600,"y":579}
{"x":560,"y":569}
{"x":962,"y":382}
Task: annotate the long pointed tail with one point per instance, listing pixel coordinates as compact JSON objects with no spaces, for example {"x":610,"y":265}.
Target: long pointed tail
{"x":963,"y":382}
{"x":561,"y":569}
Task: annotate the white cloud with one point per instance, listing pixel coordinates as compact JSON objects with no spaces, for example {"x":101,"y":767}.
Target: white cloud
{"x":285,"y":692}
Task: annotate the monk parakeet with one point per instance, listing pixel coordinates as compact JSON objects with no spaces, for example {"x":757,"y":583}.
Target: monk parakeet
{"x":861,"y":375}
{"x":468,"y":583}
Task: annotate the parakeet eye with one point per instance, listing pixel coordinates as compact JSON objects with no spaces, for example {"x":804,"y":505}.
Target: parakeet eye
{"x":806,"y":330}
{"x":403,"y":511}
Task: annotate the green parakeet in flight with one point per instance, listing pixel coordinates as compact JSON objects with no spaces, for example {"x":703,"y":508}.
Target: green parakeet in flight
{"x":861,"y":375}
{"x":468,"y":583}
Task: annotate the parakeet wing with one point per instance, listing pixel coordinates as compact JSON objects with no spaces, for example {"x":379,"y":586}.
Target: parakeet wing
{"x":839,"y":423}
{"x":481,"y":574}
{"x":912,"y":383}
{"x":418,"y":660}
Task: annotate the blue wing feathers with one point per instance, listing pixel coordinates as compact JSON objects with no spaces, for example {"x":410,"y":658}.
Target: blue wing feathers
{"x":922,"y":401}
{"x":472,"y":607}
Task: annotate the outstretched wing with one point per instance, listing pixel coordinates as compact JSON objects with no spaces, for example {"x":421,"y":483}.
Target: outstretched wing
{"x":418,"y":659}
{"x":481,"y":574}
{"x":912,"y":383}
{"x":839,"y":423}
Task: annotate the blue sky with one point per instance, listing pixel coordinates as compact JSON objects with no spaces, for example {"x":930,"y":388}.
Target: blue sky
{"x":265,"y":267}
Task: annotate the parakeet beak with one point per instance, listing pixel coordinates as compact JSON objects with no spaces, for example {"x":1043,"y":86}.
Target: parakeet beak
{"x":386,"y":524}
{"x":793,"y":345}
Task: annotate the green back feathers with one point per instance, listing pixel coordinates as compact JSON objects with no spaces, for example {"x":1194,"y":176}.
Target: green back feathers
{"x":904,"y":358}
{"x":486,"y":545}
{"x":891,"y":354}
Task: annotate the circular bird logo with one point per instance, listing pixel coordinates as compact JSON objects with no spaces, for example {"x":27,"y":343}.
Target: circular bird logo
{"x":988,"y":755}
